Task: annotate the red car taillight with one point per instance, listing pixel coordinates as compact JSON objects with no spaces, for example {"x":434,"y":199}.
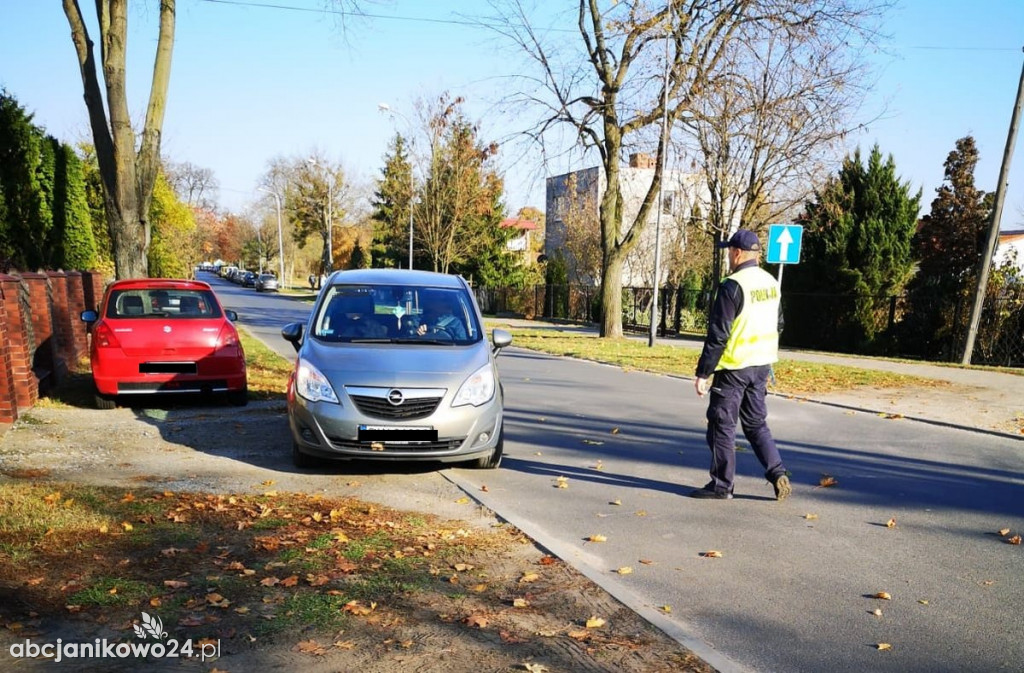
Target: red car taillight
{"x":228,"y":339}
{"x":104,"y":337}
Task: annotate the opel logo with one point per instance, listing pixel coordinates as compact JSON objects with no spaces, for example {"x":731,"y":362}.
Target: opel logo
{"x":167,"y":329}
{"x":395,"y":397}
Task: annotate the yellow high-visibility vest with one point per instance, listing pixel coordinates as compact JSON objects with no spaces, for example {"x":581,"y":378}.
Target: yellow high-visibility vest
{"x":754,"y":337}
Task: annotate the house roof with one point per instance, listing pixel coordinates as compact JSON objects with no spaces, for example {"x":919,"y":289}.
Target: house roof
{"x":514,"y":222}
{"x":1011,"y":236}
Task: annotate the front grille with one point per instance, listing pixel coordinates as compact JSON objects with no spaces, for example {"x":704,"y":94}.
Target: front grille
{"x":408,"y":410}
{"x":352,"y":445}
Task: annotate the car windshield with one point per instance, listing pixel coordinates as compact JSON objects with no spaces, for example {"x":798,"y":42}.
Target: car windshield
{"x":161,"y":303}
{"x":396,"y":314}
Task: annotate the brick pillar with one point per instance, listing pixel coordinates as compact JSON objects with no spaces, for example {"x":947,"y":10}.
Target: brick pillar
{"x":20,"y":341}
{"x":8,"y":396}
{"x":46,"y":360}
{"x":76,"y":304}
{"x":61,"y":313}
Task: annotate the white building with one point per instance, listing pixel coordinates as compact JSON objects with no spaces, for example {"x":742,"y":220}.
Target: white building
{"x":1011,"y":245}
{"x":680,"y":193}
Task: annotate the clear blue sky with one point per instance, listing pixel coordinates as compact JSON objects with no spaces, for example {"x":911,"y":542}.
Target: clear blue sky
{"x":250,"y":83}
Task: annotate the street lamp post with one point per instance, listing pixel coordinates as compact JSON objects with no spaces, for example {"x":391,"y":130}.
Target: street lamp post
{"x":386,"y":109}
{"x":280,"y":235}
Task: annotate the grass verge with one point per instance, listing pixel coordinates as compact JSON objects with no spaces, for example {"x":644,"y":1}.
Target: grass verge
{"x":793,"y":377}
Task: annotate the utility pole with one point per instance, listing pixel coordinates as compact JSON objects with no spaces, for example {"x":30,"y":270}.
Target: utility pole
{"x":997,"y":216}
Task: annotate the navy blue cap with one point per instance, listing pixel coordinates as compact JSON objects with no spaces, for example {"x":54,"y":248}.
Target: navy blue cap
{"x":744,"y":239}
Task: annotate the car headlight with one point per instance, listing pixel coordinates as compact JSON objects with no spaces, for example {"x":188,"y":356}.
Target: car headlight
{"x":477,"y":389}
{"x":313,"y":385}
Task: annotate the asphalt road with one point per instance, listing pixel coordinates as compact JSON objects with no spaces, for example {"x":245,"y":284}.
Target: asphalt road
{"x":794,"y":588}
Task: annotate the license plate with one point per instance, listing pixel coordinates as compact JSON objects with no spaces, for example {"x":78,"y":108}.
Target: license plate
{"x":396,"y":434}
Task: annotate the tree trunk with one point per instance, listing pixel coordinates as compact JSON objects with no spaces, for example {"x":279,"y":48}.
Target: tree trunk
{"x":611,"y":297}
{"x":128,"y":177}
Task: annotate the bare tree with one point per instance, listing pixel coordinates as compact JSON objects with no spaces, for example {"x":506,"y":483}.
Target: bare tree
{"x":128,"y":174}
{"x":610,"y":89}
{"x":193,"y":184}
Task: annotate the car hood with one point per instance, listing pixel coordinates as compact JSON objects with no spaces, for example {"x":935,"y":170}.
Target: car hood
{"x":396,"y":365}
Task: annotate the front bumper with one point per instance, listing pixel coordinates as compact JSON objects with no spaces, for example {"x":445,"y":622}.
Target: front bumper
{"x":328,"y":430}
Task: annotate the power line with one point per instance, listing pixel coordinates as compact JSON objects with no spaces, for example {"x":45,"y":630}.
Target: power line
{"x":486,"y":24}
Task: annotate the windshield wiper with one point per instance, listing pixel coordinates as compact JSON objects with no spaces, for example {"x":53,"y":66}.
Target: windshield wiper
{"x":424,"y":340}
{"x":370,"y":340}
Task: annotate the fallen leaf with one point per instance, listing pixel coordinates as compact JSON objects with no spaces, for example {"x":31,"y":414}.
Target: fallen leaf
{"x":884,"y":646}
{"x":665,"y":608}
{"x":529,"y":577}
{"x":520,"y":603}
{"x":827,"y":481}
{"x":309,"y":647}
{"x":547,"y":560}
{"x":615,"y":431}
{"x":562,"y":482}
{"x":479,"y":621}
{"x":646,"y":562}
{"x":595,"y":623}
{"x":270,"y":494}
{"x":535,"y":668}
{"x":290,"y":581}
{"x":175,"y":584}
{"x":624,"y":570}
{"x":268,"y":482}
{"x":355,"y":608}
{"x":579,"y":634}
{"x":884,"y":595}
{"x":484,"y":488}
{"x":462,"y":501}
{"x":712,"y":554}
{"x":479,"y":588}
{"x":891,"y":523}
{"x":615,"y":502}
{"x":104,"y":529}
{"x":1014,"y":540}
{"x":270,"y":581}
{"x":462,"y":567}
{"x":1003,"y":532}
{"x":877,"y":612}
{"x":641,"y":512}
{"x":593,"y":442}
{"x":810,"y":517}
{"x":127,"y":526}
{"x":923,"y":601}
{"x":597,"y":538}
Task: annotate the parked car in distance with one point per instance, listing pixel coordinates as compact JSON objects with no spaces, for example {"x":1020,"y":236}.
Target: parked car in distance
{"x":394,"y":365}
{"x":249,"y":279}
{"x":156,"y":336}
{"x":266,"y":282}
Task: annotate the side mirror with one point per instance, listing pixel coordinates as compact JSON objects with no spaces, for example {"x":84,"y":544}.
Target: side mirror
{"x":500,"y":338}
{"x":292,"y":332}
{"x":231,"y":315}
{"x":89,"y":316}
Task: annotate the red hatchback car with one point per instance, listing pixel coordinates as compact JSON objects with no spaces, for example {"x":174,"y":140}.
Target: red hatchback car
{"x":160,"y":336}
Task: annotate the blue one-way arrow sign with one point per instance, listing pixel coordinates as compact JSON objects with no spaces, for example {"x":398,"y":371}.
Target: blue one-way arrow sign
{"x":784,"y":243}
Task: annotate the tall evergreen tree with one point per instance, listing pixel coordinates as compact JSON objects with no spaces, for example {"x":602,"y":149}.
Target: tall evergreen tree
{"x":72,"y":239}
{"x":948,"y":247}
{"x":857,"y":245}
{"x":23,"y":174}
{"x":391,"y":204}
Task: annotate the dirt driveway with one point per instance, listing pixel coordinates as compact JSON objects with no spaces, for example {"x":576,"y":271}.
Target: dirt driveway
{"x":229,"y":451}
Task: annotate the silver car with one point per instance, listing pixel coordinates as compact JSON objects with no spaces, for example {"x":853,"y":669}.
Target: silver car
{"x":266,"y":282}
{"x":394,"y":365}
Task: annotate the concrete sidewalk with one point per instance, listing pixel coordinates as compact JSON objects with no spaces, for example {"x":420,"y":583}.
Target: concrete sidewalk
{"x":972,"y":398}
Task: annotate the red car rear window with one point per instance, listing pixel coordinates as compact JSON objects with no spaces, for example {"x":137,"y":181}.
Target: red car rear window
{"x":158,"y":303}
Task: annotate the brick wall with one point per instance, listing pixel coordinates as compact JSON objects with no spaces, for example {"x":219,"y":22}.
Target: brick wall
{"x":41,"y":333}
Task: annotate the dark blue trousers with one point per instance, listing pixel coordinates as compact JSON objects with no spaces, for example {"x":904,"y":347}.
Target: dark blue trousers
{"x":739,"y":395}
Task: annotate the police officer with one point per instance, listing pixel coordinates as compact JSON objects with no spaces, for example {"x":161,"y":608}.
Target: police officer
{"x":742,"y":344}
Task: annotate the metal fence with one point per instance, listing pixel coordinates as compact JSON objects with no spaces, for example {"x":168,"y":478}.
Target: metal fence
{"x":918,"y":326}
